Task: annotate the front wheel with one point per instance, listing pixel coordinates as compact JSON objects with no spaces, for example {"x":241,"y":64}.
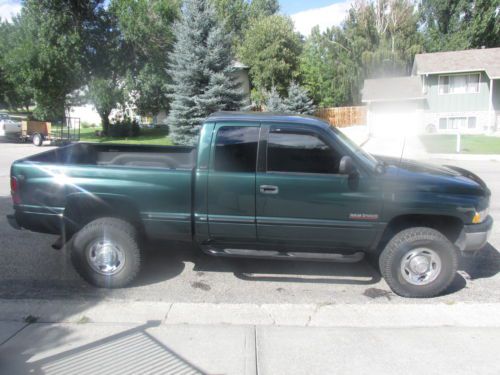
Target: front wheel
{"x":105,"y":253}
{"x":419,"y":263}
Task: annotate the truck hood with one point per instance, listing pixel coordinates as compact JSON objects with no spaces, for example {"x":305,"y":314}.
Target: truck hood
{"x":414,"y":175}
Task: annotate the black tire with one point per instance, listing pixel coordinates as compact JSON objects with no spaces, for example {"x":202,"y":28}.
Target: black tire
{"x":38,"y":140}
{"x":401,"y":245}
{"x":117,"y":232}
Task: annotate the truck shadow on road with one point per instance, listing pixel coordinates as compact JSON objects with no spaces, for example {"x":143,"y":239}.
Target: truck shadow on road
{"x":481,"y":264}
{"x":162,"y":262}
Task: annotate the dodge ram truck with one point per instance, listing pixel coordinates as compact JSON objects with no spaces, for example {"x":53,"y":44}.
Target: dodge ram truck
{"x":257,"y":185}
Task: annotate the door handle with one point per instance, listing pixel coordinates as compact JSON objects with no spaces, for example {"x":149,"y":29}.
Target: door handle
{"x":269,"y":189}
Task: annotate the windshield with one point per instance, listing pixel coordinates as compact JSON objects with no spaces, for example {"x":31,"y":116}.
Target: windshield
{"x":360,"y":153}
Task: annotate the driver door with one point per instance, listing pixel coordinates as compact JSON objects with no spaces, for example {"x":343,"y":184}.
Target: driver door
{"x":303,"y":200}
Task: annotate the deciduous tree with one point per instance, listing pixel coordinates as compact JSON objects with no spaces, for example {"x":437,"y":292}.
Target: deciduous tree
{"x":271,"y":48}
{"x":146,"y":27}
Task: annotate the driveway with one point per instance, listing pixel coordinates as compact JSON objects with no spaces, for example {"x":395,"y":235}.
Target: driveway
{"x":173,"y":272}
{"x":409,"y":147}
{"x":9,"y":152}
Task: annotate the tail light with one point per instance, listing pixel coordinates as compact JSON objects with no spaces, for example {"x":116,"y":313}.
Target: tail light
{"x":14,"y":190}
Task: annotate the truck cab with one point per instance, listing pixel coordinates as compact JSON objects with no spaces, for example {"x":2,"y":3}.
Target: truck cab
{"x":282,"y":183}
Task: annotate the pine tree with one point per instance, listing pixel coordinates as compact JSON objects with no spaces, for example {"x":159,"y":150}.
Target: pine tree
{"x":274,"y":102}
{"x":298,"y":100}
{"x":201,"y":70}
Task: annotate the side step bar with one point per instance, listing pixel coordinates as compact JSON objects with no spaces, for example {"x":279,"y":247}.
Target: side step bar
{"x":286,"y":255}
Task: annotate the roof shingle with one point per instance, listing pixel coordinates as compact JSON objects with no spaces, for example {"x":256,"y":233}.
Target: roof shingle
{"x":392,"y":89}
{"x":473,"y":60}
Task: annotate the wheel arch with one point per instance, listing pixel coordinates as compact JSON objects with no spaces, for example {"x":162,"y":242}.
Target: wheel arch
{"x":449,"y":226}
{"x":82,"y":208}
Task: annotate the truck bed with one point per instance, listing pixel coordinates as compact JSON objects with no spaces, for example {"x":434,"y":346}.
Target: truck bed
{"x":151,"y":184}
{"x":169,"y":157}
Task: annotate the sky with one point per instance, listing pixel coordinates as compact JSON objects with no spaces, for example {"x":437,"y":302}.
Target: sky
{"x":9,"y":8}
{"x":305,"y":13}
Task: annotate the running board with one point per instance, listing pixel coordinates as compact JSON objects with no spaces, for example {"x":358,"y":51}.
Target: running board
{"x":286,"y":255}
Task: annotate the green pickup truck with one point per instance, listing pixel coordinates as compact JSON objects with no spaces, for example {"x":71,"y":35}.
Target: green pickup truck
{"x":260,"y":186}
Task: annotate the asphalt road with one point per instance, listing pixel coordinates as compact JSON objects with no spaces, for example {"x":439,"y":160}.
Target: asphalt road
{"x":30,"y":268}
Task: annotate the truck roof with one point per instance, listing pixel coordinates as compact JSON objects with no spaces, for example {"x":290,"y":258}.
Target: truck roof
{"x":268,"y":117}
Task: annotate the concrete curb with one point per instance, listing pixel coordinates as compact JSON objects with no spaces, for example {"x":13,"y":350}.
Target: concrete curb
{"x":302,"y":315}
{"x":466,"y":157}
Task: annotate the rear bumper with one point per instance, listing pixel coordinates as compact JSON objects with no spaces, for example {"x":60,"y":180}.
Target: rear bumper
{"x":475,"y":236}
{"x":35,"y":221}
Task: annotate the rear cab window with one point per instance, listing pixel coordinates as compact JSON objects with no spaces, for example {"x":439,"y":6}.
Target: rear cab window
{"x":236,"y":149}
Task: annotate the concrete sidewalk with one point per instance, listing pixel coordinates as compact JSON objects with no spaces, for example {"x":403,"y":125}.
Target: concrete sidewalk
{"x":153,"y":348}
{"x":180,"y":338}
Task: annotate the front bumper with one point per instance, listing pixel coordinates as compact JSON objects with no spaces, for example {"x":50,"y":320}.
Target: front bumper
{"x":475,"y":236}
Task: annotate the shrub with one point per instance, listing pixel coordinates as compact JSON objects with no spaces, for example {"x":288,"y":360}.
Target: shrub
{"x":124,"y":128}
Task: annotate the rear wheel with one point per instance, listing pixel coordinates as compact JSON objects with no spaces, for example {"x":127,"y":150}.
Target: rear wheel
{"x":419,"y":263}
{"x":38,"y":140}
{"x":105,"y":253}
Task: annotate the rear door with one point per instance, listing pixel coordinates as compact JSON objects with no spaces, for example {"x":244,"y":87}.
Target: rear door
{"x":303,"y":200}
{"x":231,"y":182}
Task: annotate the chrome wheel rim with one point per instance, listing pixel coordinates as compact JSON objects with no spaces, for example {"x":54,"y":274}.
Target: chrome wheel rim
{"x":105,"y":257}
{"x":421,"y":266}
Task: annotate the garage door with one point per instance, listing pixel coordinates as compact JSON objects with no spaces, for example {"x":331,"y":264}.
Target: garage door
{"x":390,"y":120}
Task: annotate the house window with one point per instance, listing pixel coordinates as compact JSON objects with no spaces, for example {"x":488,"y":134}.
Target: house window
{"x":443,"y":123}
{"x":455,"y":123}
{"x":459,"y":84}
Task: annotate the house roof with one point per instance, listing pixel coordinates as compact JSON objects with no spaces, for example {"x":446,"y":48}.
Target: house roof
{"x":392,"y":89}
{"x":473,"y":60}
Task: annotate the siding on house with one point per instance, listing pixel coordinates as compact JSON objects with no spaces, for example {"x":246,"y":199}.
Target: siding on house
{"x":457,"y":102}
{"x":496,"y":94}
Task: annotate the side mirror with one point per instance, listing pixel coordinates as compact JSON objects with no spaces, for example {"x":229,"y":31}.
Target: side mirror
{"x":346,"y":166}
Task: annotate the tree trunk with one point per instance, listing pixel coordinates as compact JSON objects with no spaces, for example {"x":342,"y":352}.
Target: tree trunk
{"x":105,"y":122}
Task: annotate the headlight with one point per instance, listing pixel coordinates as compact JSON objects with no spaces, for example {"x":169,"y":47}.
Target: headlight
{"x":480,"y":216}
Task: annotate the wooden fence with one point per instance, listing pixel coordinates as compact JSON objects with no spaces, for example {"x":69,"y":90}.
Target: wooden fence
{"x":342,"y":117}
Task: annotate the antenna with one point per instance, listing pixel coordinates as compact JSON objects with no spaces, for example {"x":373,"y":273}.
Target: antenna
{"x":402,"y":149}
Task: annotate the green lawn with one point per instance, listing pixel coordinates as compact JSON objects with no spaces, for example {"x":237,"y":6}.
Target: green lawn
{"x":470,"y":144}
{"x":156,"y":136}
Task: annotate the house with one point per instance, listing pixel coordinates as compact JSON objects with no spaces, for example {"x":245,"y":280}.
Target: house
{"x":394,"y":105}
{"x":447,"y":92}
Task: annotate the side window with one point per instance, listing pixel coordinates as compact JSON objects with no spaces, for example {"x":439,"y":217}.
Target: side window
{"x":236,"y":149}
{"x":292,"y":151}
